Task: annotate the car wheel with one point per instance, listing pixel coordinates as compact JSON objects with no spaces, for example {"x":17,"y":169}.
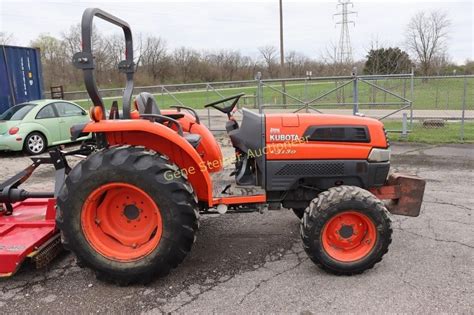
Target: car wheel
{"x":35,"y":143}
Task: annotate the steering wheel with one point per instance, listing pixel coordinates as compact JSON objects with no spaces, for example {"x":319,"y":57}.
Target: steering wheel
{"x":226,"y":109}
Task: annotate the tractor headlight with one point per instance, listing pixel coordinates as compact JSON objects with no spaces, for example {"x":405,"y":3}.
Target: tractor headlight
{"x":379,"y":155}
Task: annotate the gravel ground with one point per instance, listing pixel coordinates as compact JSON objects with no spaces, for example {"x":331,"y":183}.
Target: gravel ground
{"x":254,"y":263}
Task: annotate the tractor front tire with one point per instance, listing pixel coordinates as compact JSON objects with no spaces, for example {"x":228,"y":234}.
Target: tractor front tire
{"x":122,"y":215}
{"x":346,"y":230}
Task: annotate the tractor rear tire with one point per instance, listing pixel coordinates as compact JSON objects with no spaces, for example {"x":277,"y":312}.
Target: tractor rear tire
{"x":123,"y":217}
{"x":346,"y":230}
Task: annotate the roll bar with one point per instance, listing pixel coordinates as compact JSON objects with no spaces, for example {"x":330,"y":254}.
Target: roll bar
{"x":85,"y":59}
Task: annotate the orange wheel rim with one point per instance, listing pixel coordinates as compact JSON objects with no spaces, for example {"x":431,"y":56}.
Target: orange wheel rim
{"x":121,"y":222}
{"x":349,"y":236}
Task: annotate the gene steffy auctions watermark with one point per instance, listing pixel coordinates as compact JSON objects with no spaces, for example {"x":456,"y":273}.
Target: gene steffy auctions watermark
{"x":286,"y":147}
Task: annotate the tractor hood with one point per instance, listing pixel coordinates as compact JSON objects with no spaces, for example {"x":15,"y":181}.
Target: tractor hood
{"x":322,"y":137}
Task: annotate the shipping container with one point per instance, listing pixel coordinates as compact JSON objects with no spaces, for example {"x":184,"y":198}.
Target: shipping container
{"x":21,"y":78}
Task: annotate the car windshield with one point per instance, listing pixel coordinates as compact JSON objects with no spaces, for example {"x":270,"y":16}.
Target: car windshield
{"x":17,"y":112}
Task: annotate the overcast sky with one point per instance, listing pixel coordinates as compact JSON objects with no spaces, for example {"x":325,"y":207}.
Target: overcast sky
{"x":309,"y":26}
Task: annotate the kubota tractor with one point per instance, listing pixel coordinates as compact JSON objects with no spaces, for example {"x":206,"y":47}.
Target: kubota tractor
{"x":130,"y":210}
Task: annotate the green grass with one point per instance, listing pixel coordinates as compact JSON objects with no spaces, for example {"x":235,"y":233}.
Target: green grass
{"x":194,"y":99}
{"x":450,"y":133}
{"x":433,"y":94}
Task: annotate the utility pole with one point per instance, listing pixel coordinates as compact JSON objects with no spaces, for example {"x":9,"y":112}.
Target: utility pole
{"x":344,"y":49}
{"x":282,"y":55}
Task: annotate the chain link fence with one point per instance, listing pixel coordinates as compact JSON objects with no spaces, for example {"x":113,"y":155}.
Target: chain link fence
{"x":443,"y":109}
{"x":427,"y":109}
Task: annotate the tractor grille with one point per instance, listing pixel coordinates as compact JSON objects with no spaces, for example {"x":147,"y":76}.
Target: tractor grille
{"x":335,"y":168}
{"x":360,"y":134}
{"x":381,"y":173}
{"x":337,"y":133}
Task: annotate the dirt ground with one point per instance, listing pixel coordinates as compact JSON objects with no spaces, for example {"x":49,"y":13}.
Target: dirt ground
{"x":255,"y":263}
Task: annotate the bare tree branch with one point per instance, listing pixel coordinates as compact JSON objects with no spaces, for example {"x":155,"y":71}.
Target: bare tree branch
{"x":426,"y":37}
{"x":269,"y":55}
{"x":6,"y":38}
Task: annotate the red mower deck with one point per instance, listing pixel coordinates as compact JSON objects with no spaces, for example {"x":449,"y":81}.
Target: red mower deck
{"x":27,"y":219}
{"x":26,"y":232}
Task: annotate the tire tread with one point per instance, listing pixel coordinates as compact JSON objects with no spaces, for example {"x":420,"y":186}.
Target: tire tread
{"x":184,"y":221}
{"x":316,"y":215}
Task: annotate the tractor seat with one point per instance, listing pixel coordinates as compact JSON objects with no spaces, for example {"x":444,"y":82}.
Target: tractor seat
{"x":141,"y":101}
{"x":193,"y":138}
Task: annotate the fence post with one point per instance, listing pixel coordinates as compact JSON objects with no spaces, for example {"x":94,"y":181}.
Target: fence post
{"x":355,"y":92}
{"x":405,"y":88}
{"x":412,"y":95}
{"x":208,"y":109}
{"x":404,"y":126}
{"x":162,"y":97}
{"x":305,"y":96}
{"x":305,"y":92}
{"x":258,"y":77}
{"x":463,"y":108}
{"x":447,"y":99}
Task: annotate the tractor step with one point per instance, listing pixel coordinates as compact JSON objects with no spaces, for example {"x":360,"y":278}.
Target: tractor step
{"x":226,"y":189}
{"x":224,"y":185}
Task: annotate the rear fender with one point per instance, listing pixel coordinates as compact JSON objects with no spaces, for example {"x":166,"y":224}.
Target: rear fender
{"x":161,"y":139}
{"x":209,"y":149}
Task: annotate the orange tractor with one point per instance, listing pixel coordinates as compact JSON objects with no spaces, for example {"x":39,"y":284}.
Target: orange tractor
{"x":130,"y":210}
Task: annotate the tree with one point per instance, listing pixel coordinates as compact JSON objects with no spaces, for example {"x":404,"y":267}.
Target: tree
{"x":72,"y":39}
{"x":269,"y":55}
{"x":231,"y":62}
{"x":426,"y":37}
{"x":186,"y":60}
{"x":469,"y":67}
{"x":115,"y":48}
{"x":155,"y":59}
{"x":440,"y":64}
{"x":296,"y":64}
{"x":54,"y":59}
{"x":332,"y":64}
{"x":387,"y":61}
{"x":72,"y":44}
{"x":6,"y":38}
{"x":108,"y":51}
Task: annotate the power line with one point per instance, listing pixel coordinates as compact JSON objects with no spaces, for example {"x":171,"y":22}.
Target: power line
{"x":344,"y":48}
{"x":282,"y":55}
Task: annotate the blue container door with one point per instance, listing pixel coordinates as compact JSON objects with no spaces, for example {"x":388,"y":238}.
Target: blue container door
{"x":23,"y":72}
{"x":6,"y":99}
{"x":24,"y":69}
